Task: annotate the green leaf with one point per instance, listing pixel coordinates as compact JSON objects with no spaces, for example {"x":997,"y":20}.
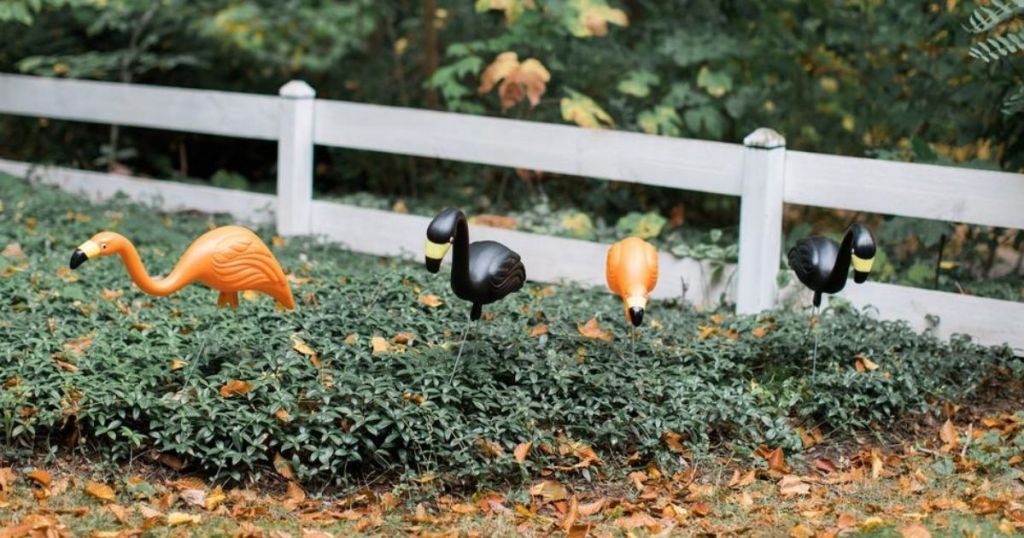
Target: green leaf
{"x":717,"y":84}
{"x":638,"y":83}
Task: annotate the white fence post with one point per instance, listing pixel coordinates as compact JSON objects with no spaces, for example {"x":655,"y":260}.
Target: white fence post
{"x":764,"y":169}
{"x":295,"y":159}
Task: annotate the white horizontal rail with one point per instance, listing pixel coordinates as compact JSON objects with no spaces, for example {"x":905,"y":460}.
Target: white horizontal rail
{"x":988,"y":321}
{"x":247,"y":207}
{"x":614,"y":155}
{"x":906,"y":189}
{"x":199,"y":111}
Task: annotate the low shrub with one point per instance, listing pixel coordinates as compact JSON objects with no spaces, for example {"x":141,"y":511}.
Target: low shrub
{"x":89,"y":361}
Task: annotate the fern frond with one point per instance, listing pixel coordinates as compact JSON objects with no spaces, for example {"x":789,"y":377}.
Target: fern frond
{"x":1015,"y":102}
{"x":998,"y":47}
{"x":986,"y":18}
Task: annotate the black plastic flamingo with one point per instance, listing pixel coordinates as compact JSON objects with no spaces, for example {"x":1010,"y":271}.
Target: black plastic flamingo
{"x":483,"y":272}
{"x":824,"y":265}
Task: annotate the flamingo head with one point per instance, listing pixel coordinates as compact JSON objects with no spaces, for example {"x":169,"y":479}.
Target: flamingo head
{"x":101,"y":244}
{"x":863,"y":257}
{"x":440,"y":235}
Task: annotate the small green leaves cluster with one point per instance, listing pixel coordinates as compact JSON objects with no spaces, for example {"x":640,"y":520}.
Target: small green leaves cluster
{"x":95,"y":365}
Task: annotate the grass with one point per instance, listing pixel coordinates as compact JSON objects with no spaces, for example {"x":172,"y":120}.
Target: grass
{"x":360,"y":383}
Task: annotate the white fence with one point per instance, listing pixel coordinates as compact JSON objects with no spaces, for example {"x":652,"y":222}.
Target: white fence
{"x":762,"y":172}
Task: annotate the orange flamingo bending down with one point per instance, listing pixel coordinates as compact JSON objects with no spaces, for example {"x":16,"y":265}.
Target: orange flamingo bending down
{"x":228,"y":259}
{"x":632,"y":272}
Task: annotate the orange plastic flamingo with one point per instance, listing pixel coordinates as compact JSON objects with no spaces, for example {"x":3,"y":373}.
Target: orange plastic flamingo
{"x":228,"y":259}
{"x":632,"y":272}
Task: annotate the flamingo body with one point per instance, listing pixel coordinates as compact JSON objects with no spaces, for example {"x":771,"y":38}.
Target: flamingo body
{"x":228,"y":259}
{"x":632,"y":273}
{"x":483,"y":272}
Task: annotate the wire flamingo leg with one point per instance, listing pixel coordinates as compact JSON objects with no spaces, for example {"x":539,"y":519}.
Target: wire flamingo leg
{"x":465,"y":333}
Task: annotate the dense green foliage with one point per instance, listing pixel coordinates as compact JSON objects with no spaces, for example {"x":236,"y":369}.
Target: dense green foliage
{"x":90,"y":361}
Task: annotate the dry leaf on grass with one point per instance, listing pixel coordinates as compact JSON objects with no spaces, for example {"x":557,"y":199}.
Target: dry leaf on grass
{"x":949,"y":436}
{"x":791,"y":485}
{"x":379,"y":345}
{"x":915,"y":530}
{"x":521,"y":451}
{"x":549,"y":491}
{"x":102,"y":492}
{"x":593,"y":331}
{"x":40,"y":477}
{"x":180,"y":518}
{"x":428,"y":299}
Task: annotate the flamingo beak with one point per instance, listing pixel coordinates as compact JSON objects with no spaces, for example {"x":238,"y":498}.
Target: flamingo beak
{"x":862,"y":268}
{"x":435,"y":252}
{"x":636,"y":316}
{"x":635,"y":307}
{"x":86,"y":251}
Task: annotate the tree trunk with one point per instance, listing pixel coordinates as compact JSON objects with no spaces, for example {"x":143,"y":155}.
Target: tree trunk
{"x":431,"y":56}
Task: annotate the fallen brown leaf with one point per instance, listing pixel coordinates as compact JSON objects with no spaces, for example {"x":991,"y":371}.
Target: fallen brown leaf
{"x":235,"y":387}
{"x":915,"y":530}
{"x":427,"y":299}
{"x":593,"y":331}
{"x":100,"y":491}
{"x":549,"y":491}
{"x":521,"y":451}
{"x":791,"y":485}
{"x":41,"y":477}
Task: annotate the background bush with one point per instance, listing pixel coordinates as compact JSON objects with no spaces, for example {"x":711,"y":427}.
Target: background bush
{"x":90,"y":363}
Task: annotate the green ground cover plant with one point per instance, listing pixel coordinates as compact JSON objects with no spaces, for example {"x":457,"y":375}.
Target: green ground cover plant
{"x":360,"y":380}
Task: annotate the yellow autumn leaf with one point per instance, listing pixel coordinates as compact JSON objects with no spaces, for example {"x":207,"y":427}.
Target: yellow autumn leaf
{"x":583,"y":111}
{"x":175,"y":519}
{"x":177,"y":364}
{"x":513,"y":8}
{"x":303,"y":348}
{"x":589,"y":18}
{"x":528,"y":79}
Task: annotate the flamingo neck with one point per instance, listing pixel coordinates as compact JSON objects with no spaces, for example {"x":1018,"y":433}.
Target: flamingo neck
{"x":841,"y":269}
{"x":139,"y":275}
{"x":460,"y":254}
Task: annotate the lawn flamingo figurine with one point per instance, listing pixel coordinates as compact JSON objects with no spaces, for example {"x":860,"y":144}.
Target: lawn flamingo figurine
{"x":632,"y":273}
{"x":482,"y":273}
{"x":823,"y":265}
{"x":228,"y":259}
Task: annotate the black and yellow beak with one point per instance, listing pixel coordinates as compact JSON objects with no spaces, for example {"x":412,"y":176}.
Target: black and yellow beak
{"x":862,"y":268}
{"x":434,"y":253}
{"x":86,"y":251}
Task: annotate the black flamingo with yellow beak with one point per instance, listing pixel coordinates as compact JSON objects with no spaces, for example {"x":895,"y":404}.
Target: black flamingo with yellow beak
{"x":824,"y":265}
{"x":483,"y":272}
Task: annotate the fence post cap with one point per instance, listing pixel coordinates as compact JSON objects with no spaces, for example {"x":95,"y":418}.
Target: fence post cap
{"x":297,"y":89}
{"x":765,"y":138}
